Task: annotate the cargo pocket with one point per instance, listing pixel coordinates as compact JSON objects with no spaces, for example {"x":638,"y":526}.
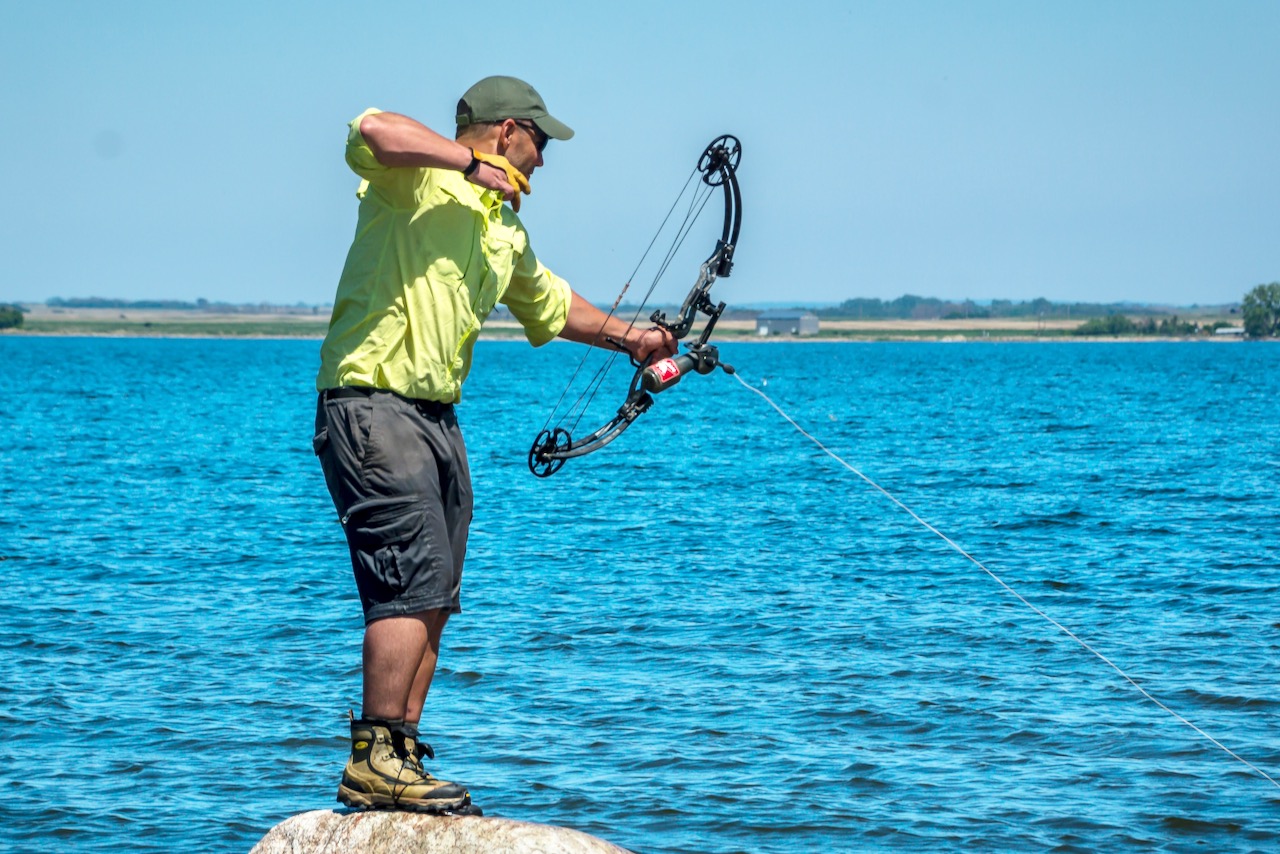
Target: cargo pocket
{"x":383,"y":528}
{"x":319,"y":440}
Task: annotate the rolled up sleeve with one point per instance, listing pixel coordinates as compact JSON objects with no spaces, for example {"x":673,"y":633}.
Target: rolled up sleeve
{"x":359,"y":156}
{"x":397,"y":187}
{"x":539,"y":299}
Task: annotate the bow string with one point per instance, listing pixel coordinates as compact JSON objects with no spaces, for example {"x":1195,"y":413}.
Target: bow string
{"x":555,"y":444}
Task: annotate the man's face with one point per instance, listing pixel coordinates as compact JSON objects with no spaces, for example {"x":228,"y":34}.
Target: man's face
{"x":525,"y":145}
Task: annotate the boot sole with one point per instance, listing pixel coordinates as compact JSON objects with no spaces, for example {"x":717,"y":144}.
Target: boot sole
{"x":367,"y":801}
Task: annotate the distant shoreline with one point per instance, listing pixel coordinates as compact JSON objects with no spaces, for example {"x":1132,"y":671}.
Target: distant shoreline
{"x":883,"y":337}
{"x":46,"y":322}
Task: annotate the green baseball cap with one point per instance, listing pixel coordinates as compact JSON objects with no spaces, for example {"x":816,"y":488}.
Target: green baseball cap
{"x":496,"y":98}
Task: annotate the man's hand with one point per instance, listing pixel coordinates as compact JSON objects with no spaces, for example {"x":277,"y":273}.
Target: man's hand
{"x":495,"y":172}
{"x":651,"y":344}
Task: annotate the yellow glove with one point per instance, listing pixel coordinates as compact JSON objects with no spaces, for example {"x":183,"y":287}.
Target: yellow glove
{"x":515,"y":177}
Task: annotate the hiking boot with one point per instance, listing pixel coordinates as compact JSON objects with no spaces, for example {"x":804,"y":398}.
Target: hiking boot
{"x":385,"y":772}
{"x":410,"y":745}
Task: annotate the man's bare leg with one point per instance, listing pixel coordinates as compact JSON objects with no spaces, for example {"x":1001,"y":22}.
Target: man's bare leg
{"x":427,"y":669}
{"x":385,"y":768}
{"x":400,"y":655}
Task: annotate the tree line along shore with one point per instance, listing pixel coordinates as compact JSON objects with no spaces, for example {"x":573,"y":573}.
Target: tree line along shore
{"x":907,"y":318}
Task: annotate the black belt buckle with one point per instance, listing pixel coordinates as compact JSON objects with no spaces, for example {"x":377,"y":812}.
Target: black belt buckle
{"x":346,"y":392}
{"x":432,"y":408}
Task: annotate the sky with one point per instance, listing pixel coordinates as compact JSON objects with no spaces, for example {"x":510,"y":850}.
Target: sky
{"x":1077,"y":151}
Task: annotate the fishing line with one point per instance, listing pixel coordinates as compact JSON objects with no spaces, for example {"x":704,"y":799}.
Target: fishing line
{"x":998,"y":580}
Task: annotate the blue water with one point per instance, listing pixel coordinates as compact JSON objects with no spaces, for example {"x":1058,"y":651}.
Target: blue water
{"x":708,"y":637}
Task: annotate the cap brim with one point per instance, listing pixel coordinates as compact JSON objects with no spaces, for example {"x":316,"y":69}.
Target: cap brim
{"x":553,"y":127}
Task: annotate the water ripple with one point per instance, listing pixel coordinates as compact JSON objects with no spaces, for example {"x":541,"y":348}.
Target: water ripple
{"x":706,"y":638}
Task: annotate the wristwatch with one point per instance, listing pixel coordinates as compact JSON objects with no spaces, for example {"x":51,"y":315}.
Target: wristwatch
{"x":473,"y":165}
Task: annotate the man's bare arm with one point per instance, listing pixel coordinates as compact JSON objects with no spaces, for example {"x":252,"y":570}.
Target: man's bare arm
{"x":587,"y":324}
{"x":399,"y":141}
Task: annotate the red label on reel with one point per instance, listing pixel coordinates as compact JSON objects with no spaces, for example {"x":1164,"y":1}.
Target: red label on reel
{"x":667,"y":369}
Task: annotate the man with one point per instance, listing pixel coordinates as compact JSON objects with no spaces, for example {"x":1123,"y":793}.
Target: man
{"x":435,"y":249}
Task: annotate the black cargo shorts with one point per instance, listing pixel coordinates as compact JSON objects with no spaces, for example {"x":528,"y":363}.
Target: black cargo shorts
{"x":397,"y":472}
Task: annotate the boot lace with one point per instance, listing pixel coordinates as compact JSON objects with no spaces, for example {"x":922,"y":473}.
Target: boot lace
{"x":411,"y":750}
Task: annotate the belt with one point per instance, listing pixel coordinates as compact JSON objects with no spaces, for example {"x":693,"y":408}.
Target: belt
{"x":430,"y":407}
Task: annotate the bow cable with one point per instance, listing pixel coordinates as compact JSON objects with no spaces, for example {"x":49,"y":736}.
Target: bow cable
{"x":578,"y":409}
{"x":556,"y":444}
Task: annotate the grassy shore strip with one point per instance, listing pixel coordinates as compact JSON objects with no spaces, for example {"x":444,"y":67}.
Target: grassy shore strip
{"x":175,"y":329}
{"x":178,"y":324}
{"x":278,"y":331}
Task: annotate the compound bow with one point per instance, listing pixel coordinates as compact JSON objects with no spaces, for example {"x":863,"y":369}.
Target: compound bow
{"x":718,"y":167}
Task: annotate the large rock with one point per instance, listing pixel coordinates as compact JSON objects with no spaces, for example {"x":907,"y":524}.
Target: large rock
{"x":411,"y":833}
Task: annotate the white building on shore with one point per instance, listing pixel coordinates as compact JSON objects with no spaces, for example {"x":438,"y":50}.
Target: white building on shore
{"x":787,"y":323}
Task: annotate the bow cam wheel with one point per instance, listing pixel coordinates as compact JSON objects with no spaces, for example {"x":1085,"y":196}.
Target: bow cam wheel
{"x":541,"y":463}
{"x":722,"y":156}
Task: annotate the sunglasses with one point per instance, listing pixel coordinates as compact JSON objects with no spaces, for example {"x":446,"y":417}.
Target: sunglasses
{"x":539,"y":138}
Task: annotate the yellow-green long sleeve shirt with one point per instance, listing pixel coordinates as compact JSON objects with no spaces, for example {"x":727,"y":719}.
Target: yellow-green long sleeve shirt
{"x":432,"y":255}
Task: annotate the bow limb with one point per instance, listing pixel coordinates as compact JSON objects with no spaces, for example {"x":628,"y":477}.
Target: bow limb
{"x":719,"y":168}
{"x":553,"y":447}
